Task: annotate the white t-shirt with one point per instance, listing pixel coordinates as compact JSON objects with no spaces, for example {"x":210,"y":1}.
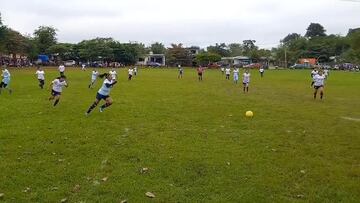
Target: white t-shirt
{"x":135,"y":69}
{"x":40,"y":74}
{"x":222,"y":69}
{"x":236,"y":71}
{"x":261,"y":70}
{"x":227,"y":71}
{"x":130,"y":71}
{"x":94,"y":74}
{"x":314,"y":72}
{"x":61,"y":68}
{"x":6,"y":74}
{"x":246,"y":77}
{"x":57,"y":85}
{"x":113,"y":74}
{"x":319,"y":80}
{"x":104,"y":90}
{"x":326,"y":72}
{"x":83,"y":66}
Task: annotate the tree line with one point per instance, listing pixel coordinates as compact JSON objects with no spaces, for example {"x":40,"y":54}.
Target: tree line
{"x":314,"y":44}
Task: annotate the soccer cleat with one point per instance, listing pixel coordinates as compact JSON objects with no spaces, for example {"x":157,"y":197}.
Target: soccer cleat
{"x":101,"y":109}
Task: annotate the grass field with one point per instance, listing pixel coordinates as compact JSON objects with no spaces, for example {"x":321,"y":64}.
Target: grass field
{"x":192,"y":136}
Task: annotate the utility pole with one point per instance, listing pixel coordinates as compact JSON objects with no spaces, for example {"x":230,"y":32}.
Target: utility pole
{"x":285,"y":59}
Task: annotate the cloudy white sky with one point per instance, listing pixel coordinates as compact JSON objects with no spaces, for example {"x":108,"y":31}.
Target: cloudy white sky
{"x":191,"y":22}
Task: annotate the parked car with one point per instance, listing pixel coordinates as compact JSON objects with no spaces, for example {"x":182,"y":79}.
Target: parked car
{"x":253,"y":65}
{"x":153,"y":64}
{"x":299,"y":66}
{"x":70,"y":63}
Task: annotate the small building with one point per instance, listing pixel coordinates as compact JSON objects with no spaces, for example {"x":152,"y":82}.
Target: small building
{"x":152,"y":60}
{"x":308,"y":61}
{"x":236,"y":60}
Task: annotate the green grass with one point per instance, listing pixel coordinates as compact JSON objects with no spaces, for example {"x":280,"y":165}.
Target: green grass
{"x":193,"y":136}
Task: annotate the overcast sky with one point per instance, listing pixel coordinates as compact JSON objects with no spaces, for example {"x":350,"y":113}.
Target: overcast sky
{"x":191,"y":22}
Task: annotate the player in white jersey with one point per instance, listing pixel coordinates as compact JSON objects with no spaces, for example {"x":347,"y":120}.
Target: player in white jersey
{"x":41,"y":77}
{"x":103,"y":93}
{"x":56,"y":88}
{"x":222,"y":70}
{"x":130,"y":71}
{"x":227,"y":73}
{"x":135,"y":70}
{"x":313,"y":73}
{"x":262,"y":70}
{"x":246,"y":81}
{"x":236,"y":75}
{"x":181,"y":71}
{"x":62,"y":70}
{"x":113,"y":73}
{"x":326,"y":73}
{"x":94,"y":75}
{"x":319,"y":84}
{"x":5,"y":80}
{"x":83,"y":67}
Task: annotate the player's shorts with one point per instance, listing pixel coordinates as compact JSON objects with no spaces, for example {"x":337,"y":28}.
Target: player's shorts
{"x":317,"y":87}
{"x":93,"y":80}
{"x":55,"y":93}
{"x":3,"y":85}
{"x":100,"y":96}
{"x":236,"y":77}
{"x":199,"y":74}
{"x":246,"y":84}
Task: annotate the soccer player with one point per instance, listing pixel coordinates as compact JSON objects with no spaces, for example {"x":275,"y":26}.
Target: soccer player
{"x":41,"y":77}
{"x":62,"y":70}
{"x":6,"y":80}
{"x":319,"y":84}
{"x":313,"y":73}
{"x":56,"y":90}
{"x":103,"y":93}
{"x":83,"y":67}
{"x":246,"y":80}
{"x":181,"y":71}
{"x":135,"y":71}
{"x":200,"y":71}
{"x":262,"y":70}
{"x":113,"y":74}
{"x":222,"y":70}
{"x":227,"y":73}
{"x":94,"y":75}
{"x":236,"y":75}
{"x":131,"y":72}
{"x":326,"y":73}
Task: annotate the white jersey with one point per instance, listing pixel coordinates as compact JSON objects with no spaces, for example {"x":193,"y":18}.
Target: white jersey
{"x":319,"y":80}
{"x":246,"y":77}
{"x":313,"y":73}
{"x":57,"y":85}
{"x":113,"y":74}
{"x":106,"y":87}
{"x":135,"y":70}
{"x":6,"y":76}
{"x":62,"y":68}
{"x":94,"y":75}
{"x":40,"y":74}
{"x":222,"y":69}
{"x":236,"y":71}
{"x":130,"y":71}
{"x":326,"y":72}
{"x":261,"y":70}
{"x":83,"y":66}
{"x":227,"y":71}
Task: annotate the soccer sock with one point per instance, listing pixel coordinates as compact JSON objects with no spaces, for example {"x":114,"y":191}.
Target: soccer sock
{"x":314,"y":95}
{"x":247,"y":89}
{"x":56,"y":102}
{"x":92,"y":107}
{"x":244,"y":89}
{"x":105,"y":105}
{"x":321,"y":95}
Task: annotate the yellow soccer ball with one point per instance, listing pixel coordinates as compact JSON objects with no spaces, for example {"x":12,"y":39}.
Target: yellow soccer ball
{"x":249,"y":114}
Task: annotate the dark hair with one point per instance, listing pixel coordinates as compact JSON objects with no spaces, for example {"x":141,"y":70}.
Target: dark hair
{"x":104,"y":75}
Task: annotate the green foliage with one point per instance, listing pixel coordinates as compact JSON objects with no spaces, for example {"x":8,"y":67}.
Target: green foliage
{"x":158,"y":48}
{"x":220,"y":49}
{"x":206,"y":58}
{"x":177,"y":54}
{"x":64,"y":50}
{"x":45,"y":37}
{"x":13,"y":42}
{"x":315,"y":30}
{"x":236,"y":49}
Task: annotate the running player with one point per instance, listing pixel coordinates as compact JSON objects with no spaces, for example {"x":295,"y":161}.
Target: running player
{"x":236,"y":75}
{"x":135,"y":71}
{"x":262,"y":70}
{"x":56,"y":90}
{"x":227,"y":73}
{"x":246,"y":80}
{"x":319,"y":84}
{"x":6,"y":80}
{"x":113,"y":74}
{"x":62,"y":70}
{"x":313,"y":73}
{"x":222,"y":70}
{"x":94,"y":75}
{"x":131,"y":72}
{"x":83,"y":67}
{"x":103,"y":93}
{"x":41,"y":77}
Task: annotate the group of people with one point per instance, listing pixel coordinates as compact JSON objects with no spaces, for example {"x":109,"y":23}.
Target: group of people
{"x":245,"y":76}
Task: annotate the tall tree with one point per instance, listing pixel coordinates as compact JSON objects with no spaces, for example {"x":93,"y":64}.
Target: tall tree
{"x":158,"y":48}
{"x":220,"y":49}
{"x":290,"y":37}
{"x":205,"y":58}
{"x":236,"y":49}
{"x":177,"y":54}
{"x":45,"y":37}
{"x":315,"y":30}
